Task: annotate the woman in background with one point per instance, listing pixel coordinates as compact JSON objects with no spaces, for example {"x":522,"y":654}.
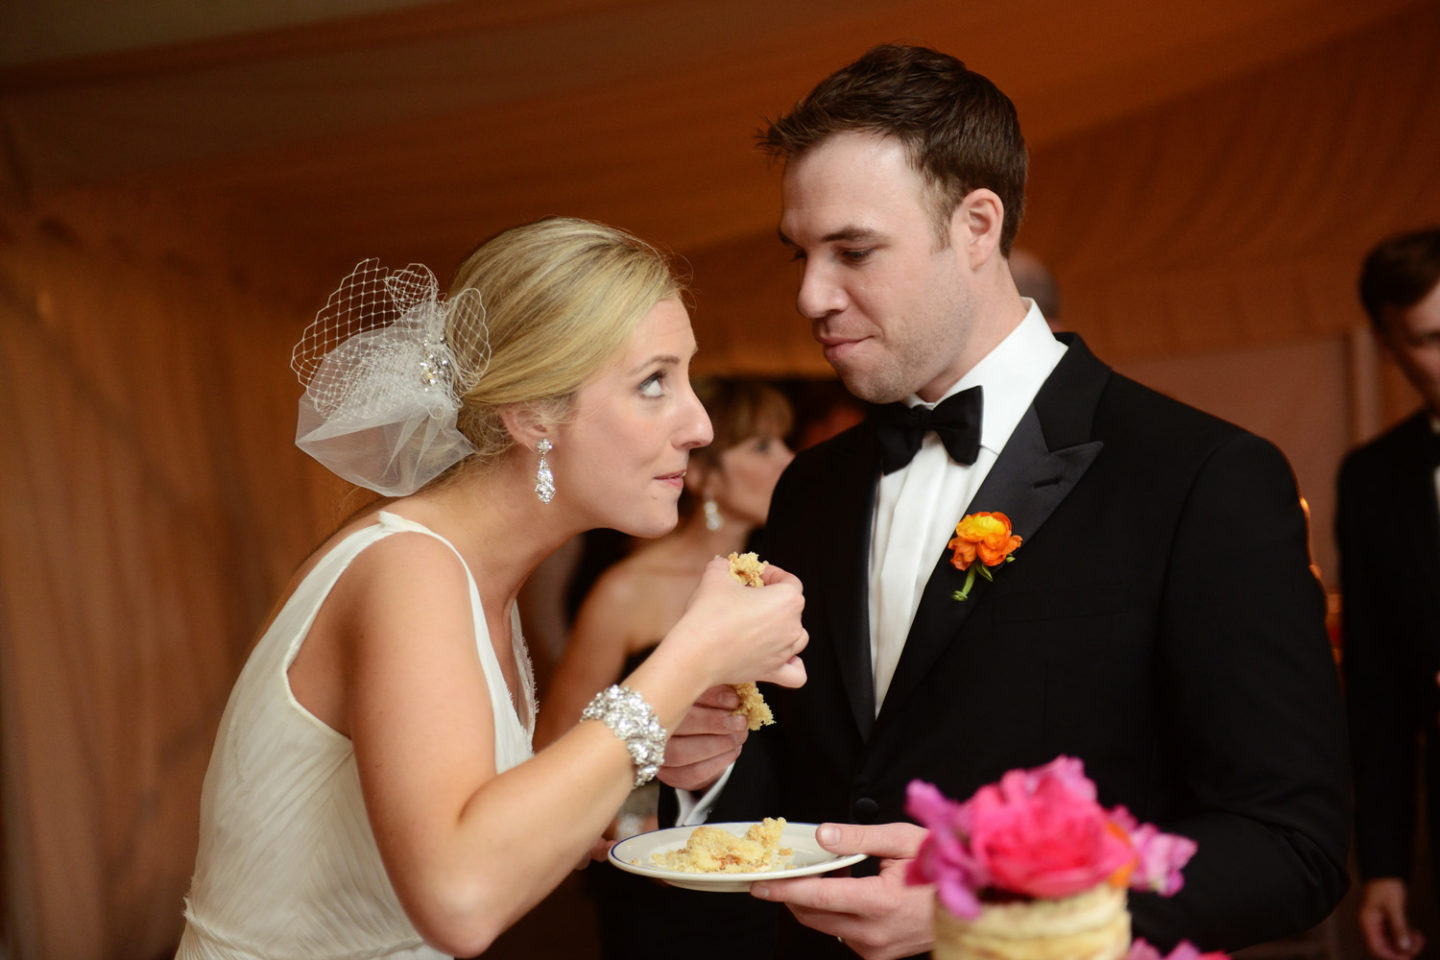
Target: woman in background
{"x":371,"y":791}
{"x":640,"y":598}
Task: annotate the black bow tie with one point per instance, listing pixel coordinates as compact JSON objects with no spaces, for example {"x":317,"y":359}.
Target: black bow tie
{"x":900,"y":429}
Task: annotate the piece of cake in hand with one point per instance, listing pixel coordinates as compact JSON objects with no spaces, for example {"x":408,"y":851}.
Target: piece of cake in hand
{"x":715,"y":850}
{"x":750,"y":570}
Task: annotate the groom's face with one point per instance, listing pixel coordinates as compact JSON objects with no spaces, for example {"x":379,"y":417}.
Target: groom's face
{"x":889,"y":304}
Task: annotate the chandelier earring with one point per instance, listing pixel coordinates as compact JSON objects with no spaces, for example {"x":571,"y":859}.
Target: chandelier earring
{"x":713,"y":520}
{"x":544,"y":479}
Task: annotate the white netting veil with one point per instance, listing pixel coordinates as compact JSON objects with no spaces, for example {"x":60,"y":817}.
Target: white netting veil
{"x":384,"y":365}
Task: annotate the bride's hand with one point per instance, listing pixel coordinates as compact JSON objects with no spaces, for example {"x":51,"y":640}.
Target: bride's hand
{"x":744,"y":633}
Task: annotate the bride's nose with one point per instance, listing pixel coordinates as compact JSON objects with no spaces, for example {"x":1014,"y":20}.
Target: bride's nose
{"x":695,"y":429}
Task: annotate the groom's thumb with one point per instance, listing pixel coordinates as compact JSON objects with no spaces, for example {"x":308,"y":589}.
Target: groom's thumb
{"x":890,"y":840}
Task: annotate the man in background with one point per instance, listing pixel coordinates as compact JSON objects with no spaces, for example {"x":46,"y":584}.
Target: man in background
{"x":1388,"y":531}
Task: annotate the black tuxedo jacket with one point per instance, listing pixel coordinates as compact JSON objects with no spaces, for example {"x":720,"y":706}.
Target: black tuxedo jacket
{"x":1388,"y":528}
{"x":1160,"y":622}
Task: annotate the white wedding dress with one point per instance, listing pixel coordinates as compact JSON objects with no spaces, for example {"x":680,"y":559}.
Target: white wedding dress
{"x":287,"y":865}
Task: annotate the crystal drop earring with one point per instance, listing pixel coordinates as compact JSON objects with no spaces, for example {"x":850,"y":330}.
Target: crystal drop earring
{"x":711,"y":509}
{"x":544,"y":479}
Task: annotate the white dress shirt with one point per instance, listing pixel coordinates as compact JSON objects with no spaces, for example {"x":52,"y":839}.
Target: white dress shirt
{"x":918,"y":506}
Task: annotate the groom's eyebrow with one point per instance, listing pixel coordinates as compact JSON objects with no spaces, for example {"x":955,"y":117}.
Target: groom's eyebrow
{"x":849,"y":234}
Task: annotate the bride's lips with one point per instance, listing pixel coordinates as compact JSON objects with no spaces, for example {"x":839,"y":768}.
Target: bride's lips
{"x":676,"y":480}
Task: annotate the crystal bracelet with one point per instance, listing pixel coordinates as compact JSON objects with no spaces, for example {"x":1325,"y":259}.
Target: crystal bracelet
{"x":631,"y":719}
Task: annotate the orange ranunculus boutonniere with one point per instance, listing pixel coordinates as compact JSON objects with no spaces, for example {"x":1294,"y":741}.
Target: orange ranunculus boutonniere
{"x":985,"y":537}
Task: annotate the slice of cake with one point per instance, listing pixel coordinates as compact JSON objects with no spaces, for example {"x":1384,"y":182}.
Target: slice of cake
{"x":715,"y":850}
{"x":750,"y":570}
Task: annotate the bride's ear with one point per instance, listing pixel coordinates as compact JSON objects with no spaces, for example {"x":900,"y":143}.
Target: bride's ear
{"x":525,"y":425}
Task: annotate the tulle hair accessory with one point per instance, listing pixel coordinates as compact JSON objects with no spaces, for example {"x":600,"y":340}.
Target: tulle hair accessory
{"x":384,"y":365}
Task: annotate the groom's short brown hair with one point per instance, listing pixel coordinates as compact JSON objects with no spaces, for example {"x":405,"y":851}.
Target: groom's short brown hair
{"x":960,"y":131}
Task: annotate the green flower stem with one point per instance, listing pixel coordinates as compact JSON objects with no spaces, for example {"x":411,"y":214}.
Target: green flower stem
{"x":964,"y":592}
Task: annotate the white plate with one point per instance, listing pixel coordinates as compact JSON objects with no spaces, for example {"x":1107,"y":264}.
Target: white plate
{"x":634,"y":854}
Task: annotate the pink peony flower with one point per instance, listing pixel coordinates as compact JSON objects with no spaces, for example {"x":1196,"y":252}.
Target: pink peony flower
{"x":1140,"y":950}
{"x":1067,"y":771}
{"x":1042,"y":833}
{"x":943,"y":858}
{"x":1159,"y":856}
{"x":1039,"y":833}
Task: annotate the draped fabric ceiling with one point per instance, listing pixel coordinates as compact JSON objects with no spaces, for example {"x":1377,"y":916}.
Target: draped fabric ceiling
{"x":177,"y":197}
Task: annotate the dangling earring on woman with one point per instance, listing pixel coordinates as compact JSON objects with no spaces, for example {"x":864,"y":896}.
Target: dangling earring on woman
{"x":713,"y":520}
{"x":544,"y":479}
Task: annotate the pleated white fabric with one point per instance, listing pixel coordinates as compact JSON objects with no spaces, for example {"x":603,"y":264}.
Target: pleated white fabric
{"x":287,"y":865}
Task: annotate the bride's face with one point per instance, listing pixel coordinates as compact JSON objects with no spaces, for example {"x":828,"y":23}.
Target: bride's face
{"x":620,"y":461}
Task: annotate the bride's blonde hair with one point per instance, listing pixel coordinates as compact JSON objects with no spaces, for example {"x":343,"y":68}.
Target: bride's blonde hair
{"x":561,"y":296}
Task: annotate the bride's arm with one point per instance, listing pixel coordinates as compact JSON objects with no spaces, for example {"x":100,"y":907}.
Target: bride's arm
{"x":468,"y":851}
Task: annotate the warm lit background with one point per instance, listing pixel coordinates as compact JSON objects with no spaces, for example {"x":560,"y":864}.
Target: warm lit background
{"x":182,"y":184}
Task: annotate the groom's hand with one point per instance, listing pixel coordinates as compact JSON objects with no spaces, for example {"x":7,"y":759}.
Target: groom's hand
{"x":878,"y":917}
{"x":706,"y":742}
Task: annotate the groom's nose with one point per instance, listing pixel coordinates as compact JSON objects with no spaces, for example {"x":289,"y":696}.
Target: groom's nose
{"x":819,"y":294}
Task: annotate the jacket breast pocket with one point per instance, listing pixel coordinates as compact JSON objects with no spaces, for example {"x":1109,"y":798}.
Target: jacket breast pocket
{"x":1073,"y":601}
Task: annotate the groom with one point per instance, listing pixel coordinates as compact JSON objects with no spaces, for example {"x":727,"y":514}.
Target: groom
{"x":1158,"y":621}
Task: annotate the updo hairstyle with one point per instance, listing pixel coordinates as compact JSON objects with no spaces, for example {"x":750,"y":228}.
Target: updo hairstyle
{"x":561,"y":296}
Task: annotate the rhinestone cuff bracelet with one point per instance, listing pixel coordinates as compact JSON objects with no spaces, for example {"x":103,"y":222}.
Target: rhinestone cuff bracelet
{"x":631,"y":719}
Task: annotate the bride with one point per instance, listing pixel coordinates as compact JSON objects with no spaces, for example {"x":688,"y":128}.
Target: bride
{"x":372,"y":790}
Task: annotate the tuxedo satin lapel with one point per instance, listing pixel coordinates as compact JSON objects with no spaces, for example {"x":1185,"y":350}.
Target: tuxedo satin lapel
{"x":1027,"y":483}
{"x":845,"y":584}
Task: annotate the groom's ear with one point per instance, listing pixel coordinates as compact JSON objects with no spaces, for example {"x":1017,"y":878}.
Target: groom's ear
{"x":976,"y":224}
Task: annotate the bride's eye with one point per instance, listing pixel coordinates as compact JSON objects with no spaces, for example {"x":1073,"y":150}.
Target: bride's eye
{"x":653,"y":386}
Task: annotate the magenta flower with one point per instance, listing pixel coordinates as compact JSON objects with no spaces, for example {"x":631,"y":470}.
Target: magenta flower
{"x":1042,"y":834}
{"x":943,"y":858}
{"x":1140,"y":950}
{"x":1159,"y":857}
{"x":1038,"y":833}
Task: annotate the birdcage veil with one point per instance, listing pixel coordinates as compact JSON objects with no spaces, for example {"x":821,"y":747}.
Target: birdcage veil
{"x":384,"y":365}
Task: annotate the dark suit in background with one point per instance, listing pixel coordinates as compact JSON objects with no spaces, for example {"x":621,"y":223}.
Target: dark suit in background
{"x":1159,"y":622}
{"x":1388,"y":530}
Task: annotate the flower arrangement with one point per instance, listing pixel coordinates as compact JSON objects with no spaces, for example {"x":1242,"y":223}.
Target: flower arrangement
{"x":985,"y":537}
{"x":1140,"y":950}
{"x":1041,"y":835}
